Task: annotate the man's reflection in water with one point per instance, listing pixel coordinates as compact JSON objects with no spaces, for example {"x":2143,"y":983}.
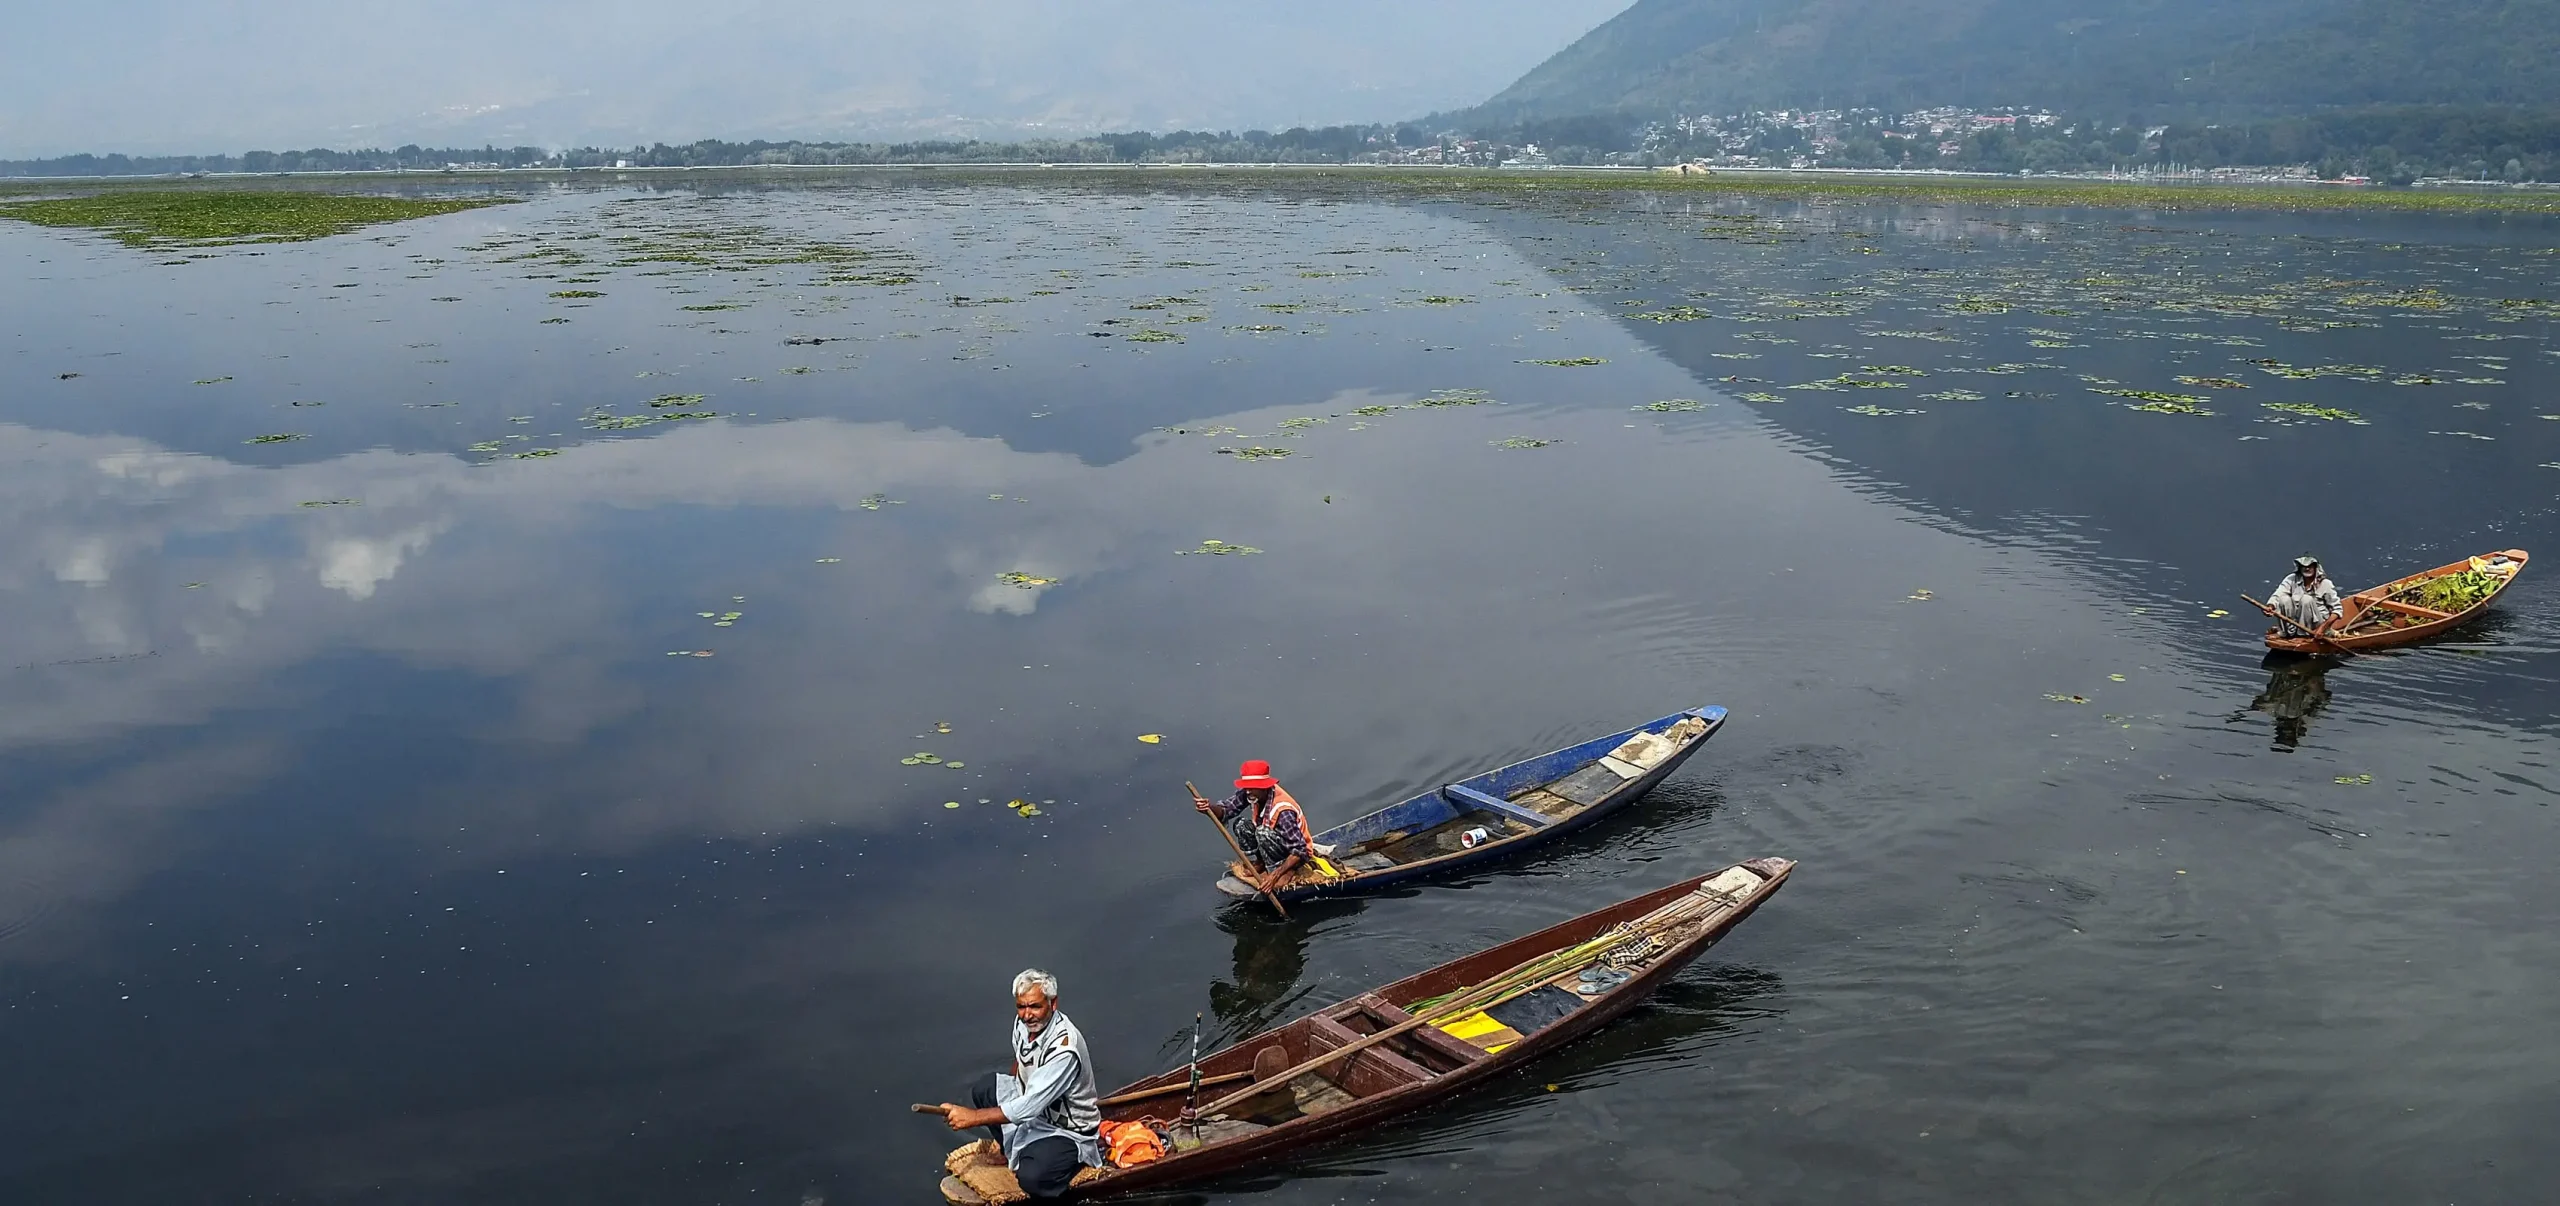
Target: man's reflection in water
{"x":2296,"y":688}
{"x":1270,"y":959}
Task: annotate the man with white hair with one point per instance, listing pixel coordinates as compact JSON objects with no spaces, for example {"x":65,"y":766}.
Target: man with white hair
{"x":1046,"y":1116}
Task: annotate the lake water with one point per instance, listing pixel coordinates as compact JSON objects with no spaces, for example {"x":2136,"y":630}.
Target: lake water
{"x":397,"y":812}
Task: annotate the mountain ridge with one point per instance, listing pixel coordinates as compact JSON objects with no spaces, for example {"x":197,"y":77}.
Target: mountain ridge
{"x":2188,"y":58}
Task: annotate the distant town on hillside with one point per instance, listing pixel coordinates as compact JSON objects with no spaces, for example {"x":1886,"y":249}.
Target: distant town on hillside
{"x":2400,"y":145}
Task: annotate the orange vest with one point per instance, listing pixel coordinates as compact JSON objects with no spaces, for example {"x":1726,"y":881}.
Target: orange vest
{"x":1283,"y":806}
{"x":1130,"y":1144}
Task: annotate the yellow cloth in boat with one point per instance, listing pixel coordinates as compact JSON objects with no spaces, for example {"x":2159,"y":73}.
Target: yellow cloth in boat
{"x":1474,"y":1025}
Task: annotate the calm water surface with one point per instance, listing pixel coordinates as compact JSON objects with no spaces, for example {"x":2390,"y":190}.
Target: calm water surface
{"x":386,"y":820}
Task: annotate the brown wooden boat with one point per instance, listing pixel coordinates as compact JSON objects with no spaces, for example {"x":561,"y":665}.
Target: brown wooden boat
{"x":2380,"y":617}
{"x":1290,"y":1098}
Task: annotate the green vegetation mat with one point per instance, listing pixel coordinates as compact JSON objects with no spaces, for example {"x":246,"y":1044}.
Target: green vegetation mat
{"x":209,"y":218}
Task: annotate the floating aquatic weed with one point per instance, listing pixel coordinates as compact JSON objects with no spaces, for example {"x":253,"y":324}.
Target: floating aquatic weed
{"x":551,"y":322}
{"x":1921,"y":595}
{"x":1521,"y":442}
{"x":799,"y":370}
{"x":1892,"y":370}
{"x":1299,"y":424}
{"x":1954,"y":395}
{"x":2115,"y":678}
{"x":2069,"y":699}
{"x":281,"y":437}
{"x":1254,"y":453}
{"x":1569,"y":362}
{"x":1437,"y":300}
{"x":666,"y":400}
{"x":533,"y":454}
{"x":2355,"y":780}
{"x":1151,"y":738}
{"x":2156,"y":402}
{"x":1673,"y":406}
{"x":716,"y":306}
{"x":603,"y":421}
{"x":1452,"y":397}
{"x":1375,"y":411}
{"x":2309,"y":411}
{"x":1151,"y":335}
{"x":1673,"y":314}
{"x":1757,"y":396}
{"x":2468,"y":435}
{"x":2279,"y":368}
{"x":330,"y":502}
{"x":1219,"y":548}
{"x":212,"y":380}
{"x":485,"y":446}
{"x":1735,"y":355}
{"x":1260,"y":328}
{"x":2212,"y":382}
{"x":1873,"y":409}
{"x":207,"y":218}
{"x":1025,"y":581}
{"x":574,"y":294}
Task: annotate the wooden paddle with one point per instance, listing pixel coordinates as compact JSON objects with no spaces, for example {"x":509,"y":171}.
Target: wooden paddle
{"x":2291,"y":623}
{"x":1267,"y":894}
{"x":1176,"y":1087}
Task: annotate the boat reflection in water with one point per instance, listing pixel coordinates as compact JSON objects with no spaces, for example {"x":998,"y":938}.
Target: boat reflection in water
{"x":2297,"y":688}
{"x":1270,"y":963}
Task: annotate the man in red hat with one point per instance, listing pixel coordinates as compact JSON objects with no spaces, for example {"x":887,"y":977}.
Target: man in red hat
{"x":1267,"y":823}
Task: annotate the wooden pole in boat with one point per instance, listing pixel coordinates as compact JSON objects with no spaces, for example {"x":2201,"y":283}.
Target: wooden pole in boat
{"x":2296,"y":625}
{"x":1267,"y":894}
{"x":1191,"y":1105}
{"x":1488,"y":992}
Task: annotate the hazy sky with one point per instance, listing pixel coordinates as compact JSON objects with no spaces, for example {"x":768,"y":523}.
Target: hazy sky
{"x":229,"y":75}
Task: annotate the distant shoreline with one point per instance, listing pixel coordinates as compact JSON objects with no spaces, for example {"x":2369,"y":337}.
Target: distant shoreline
{"x":1878,"y":185}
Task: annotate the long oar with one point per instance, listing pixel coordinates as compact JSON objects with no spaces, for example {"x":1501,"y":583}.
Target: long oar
{"x":1267,"y":894}
{"x":2295,"y":625}
{"x":1489,"y":992}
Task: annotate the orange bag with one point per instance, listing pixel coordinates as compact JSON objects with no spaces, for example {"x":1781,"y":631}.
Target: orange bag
{"x":1130,"y":1144}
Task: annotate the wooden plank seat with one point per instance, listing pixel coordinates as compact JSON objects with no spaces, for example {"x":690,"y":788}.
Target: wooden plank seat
{"x":1467,"y":797}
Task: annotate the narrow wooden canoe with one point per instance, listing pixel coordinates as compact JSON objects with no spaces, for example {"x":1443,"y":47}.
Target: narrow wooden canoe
{"x":1411,"y":1071}
{"x":2373,"y":619}
{"x":1517,"y":806}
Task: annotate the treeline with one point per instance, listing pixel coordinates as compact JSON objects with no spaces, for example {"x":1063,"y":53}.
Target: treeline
{"x":2398,"y":144}
{"x":409,"y":158}
{"x":1331,"y":144}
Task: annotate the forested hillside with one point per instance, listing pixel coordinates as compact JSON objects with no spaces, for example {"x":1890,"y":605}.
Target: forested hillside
{"x":2165,"y":58}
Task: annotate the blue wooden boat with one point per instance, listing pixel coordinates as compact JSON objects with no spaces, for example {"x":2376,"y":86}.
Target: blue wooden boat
{"x":1514,"y":807}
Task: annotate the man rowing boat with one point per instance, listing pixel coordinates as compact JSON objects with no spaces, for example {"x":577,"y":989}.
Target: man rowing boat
{"x":2306,"y":596}
{"x":1268,"y":825}
{"x":1047,"y":1116}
